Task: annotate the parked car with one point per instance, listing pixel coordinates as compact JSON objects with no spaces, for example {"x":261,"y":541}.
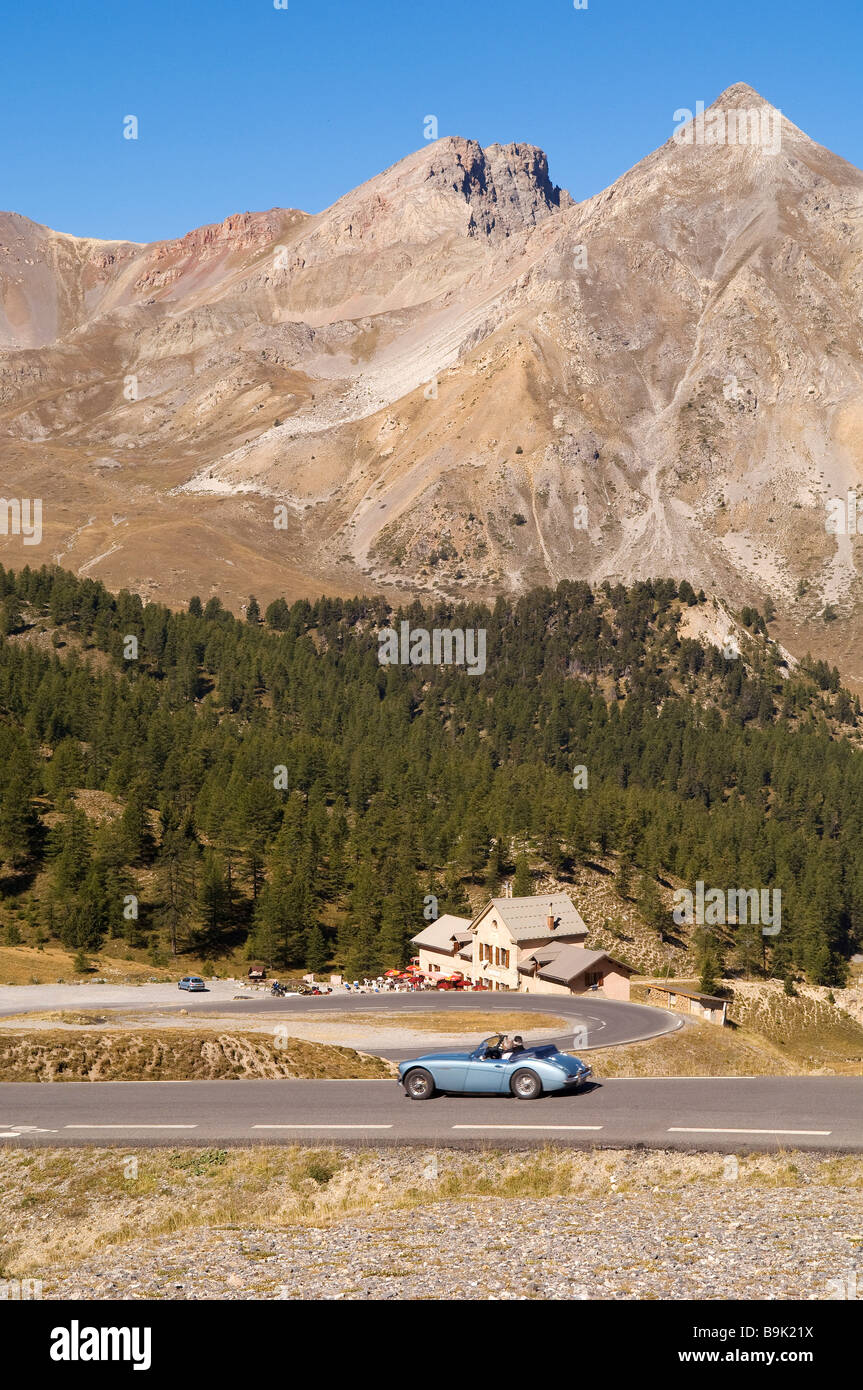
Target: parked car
{"x":526,"y":1074}
{"x":193,"y":983}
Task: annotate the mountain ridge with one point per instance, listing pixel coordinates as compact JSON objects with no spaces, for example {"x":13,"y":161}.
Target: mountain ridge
{"x":457,"y":379}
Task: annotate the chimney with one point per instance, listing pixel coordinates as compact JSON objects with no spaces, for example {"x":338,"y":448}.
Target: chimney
{"x":549,"y":921}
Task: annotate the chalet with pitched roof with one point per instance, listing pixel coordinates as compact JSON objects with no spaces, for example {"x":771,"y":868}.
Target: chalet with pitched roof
{"x":535,"y":945}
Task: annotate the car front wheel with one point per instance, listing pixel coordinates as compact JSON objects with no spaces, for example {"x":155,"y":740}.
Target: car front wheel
{"x":419,"y":1084}
{"x":526,"y":1085}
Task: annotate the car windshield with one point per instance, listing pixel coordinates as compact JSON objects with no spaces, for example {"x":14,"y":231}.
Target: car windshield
{"x":490,"y":1047}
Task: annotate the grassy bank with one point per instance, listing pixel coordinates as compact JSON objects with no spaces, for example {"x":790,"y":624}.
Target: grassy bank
{"x":175,"y":1055}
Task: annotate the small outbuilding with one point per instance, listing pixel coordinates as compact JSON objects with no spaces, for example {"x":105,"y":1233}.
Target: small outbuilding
{"x":687,"y":1001}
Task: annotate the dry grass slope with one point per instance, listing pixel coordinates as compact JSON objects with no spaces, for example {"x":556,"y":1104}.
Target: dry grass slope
{"x":62,"y":1207}
{"x":175,"y":1055}
{"x":811,"y":1032}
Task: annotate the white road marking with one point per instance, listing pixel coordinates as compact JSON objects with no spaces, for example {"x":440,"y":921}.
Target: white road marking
{"x":12,"y":1134}
{"x":130,"y":1126}
{"x":23,"y":1129}
{"x":321,"y":1126}
{"x":693,"y":1129}
{"x":567,"y":1127}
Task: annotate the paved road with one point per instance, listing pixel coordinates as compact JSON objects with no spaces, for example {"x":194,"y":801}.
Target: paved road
{"x":598,"y":1022}
{"x":756,"y":1113}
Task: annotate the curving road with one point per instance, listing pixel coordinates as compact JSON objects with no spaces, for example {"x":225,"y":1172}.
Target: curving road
{"x":599,"y":1022}
{"x":736,"y":1114}
{"x":726,"y":1114}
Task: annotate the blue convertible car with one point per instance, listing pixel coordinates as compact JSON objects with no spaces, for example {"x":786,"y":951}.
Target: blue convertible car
{"x":490,"y":1070}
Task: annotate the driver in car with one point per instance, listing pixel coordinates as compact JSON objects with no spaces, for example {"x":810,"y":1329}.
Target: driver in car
{"x":513,"y":1045}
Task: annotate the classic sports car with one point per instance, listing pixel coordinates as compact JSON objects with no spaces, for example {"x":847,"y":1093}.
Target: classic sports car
{"x":488,"y":1070}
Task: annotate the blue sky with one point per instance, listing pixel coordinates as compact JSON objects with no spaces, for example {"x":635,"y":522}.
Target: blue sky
{"x":242,"y":106}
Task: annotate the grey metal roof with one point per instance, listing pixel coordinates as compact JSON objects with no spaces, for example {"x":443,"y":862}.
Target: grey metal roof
{"x":526,"y":918}
{"x":567,"y":962}
{"x":438,"y":935}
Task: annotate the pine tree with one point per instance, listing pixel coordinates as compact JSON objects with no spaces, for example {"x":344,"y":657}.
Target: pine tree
{"x":522,"y":883}
{"x":708,"y":970}
{"x":473,"y":846}
{"x":491,"y":879}
{"x":135,"y":830}
{"x":748,"y":948}
{"x":651,"y":907}
{"x":213,"y":905}
{"x":18,"y":823}
{"x":623,"y":876}
{"x":316,"y":951}
{"x":359,"y":939}
{"x":400,"y":918}
{"x":71,"y":847}
{"x":454,"y":897}
{"x":179,"y":860}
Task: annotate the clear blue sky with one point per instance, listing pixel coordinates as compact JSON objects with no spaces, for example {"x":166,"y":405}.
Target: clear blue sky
{"x":242,"y":106}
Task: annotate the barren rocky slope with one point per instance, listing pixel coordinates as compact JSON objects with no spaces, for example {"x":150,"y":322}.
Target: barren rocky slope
{"x":458,"y":380}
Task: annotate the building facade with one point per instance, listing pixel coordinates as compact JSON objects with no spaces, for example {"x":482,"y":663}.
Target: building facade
{"x":532,"y":945}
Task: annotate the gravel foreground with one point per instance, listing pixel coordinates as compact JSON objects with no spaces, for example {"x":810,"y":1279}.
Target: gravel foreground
{"x":599,"y":1225}
{"x":552,"y":1249}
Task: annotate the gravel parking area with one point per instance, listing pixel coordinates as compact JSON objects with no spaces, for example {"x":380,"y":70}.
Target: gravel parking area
{"x":17,"y":999}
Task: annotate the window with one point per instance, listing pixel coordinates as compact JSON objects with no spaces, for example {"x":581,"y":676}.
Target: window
{"x":504,"y":959}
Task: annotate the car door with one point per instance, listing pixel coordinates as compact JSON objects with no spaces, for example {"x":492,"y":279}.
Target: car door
{"x":487,"y":1075}
{"x":449,"y":1073}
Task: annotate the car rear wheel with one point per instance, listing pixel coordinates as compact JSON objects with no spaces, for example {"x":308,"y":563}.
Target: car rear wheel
{"x":526,"y":1085}
{"x":419,"y":1084}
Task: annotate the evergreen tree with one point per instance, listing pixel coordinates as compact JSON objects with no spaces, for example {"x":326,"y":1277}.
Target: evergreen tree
{"x":522,"y":883}
{"x":623,"y":876}
{"x":316,"y":951}
{"x":651,"y":908}
{"x":18,"y":823}
{"x":213,"y":906}
{"x":454,"y":898}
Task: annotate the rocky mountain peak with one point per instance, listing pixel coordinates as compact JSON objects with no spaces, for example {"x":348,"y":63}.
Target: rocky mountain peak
{"x":507,"y":187}
{"x":460,"y":382}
